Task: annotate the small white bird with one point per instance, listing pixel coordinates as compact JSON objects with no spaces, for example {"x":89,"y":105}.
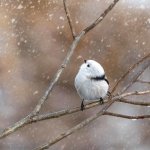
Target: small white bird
{"x":91,"y":82}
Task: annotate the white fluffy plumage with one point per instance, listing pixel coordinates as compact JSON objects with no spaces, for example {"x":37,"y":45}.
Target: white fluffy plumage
{"x":91,"y":82}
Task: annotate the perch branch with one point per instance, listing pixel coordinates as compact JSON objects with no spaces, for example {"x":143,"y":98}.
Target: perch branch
{"x":53,"y":82}
{"x":64,"y":112}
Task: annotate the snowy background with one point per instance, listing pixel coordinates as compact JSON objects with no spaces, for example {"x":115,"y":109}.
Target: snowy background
{"x":34,"y":38}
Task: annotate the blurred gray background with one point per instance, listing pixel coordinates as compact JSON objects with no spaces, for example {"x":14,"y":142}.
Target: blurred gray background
{"x":34,"y":38}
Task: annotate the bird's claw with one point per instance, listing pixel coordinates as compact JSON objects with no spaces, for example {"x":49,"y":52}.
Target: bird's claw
{"x":101,"y":101}
{"x":82,"y":105}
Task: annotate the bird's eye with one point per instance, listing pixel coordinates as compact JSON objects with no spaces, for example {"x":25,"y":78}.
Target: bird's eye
{"x":88,"y":65}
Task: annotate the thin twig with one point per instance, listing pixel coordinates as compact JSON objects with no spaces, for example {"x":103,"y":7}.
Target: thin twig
{"x":135,"y":93}
{"x":123,"y":100}
{"x":69,"y":19}
{"x":129,"y":70}
{"x":88,"y":120}
{"x":135,"y":78}
{"x":145,"y":82}
{"x":56,"y":77}
{"x":101,"y":17}
{"x":126,"y":116}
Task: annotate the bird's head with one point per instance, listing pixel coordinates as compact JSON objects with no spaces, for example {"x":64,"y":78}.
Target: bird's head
{"x":91,"y":68}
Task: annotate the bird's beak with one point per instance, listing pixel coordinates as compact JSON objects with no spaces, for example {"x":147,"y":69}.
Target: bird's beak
{"x":84,"y":61}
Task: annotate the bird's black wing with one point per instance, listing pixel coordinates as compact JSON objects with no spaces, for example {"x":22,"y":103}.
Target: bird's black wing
{"x":100,"y":78}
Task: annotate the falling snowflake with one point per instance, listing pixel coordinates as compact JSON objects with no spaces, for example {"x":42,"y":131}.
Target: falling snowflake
{"x":61,"y":18}
{"x":13,"y":20}
{"x":20,"y":6}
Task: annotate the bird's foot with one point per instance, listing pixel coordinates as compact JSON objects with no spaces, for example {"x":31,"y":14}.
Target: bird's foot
{"x":101,"y":101}
{"x":82,"y":105}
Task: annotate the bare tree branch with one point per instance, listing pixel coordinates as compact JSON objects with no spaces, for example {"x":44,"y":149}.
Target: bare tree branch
{"x":135,"y":78}
{"x":126,"y":116}
{"x":145,"y":82}
{"x":123,"y":100}
{"x":69,"y":19}
{"x":128,"y":71}
{"x":15,"y":126}
{"x":101,"y":17}
{"x":135,"y":93}
{"x":88,"y":120}
{"x":63,"y":112}
{"x":56,"y":77}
